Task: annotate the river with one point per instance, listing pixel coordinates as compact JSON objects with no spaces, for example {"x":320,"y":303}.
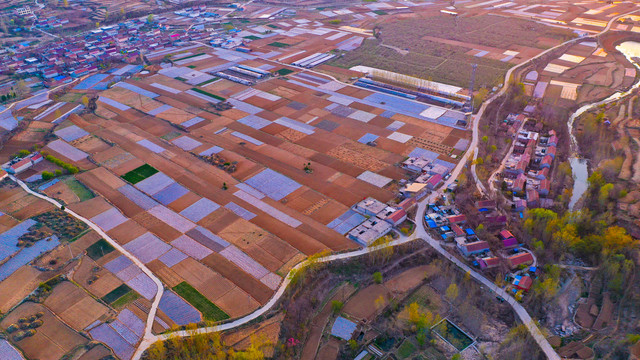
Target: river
{"x":579,"y":166}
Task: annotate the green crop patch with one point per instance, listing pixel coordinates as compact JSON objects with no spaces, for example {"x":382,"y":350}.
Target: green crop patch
{"x":125,"y":300}
{"x":208,"y":94}
{"x":406,"y":349}
{"x":81,"y":191}
{"x":453,"y":335}
{"x":208,"y":81}
{"x":189,"y":57}
{"x":284,"y":71}
{"x":99,"y":249}
{"x":279,"y":44}
{"x":208,"y":309}
{"x":116,"y":293}
{"x":252,"y":37}
{"x":136,"y":175}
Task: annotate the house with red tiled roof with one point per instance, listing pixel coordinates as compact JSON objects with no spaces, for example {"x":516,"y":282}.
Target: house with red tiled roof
{"x":523,"y":258}
{"x":544,"y":187}
{"x":457,"y":230}
{"x":533,"y":198}
{"x":457,"y":219}
{"x":471,"y":248}
{"x":523,"y":282}
{"x":396,"y":217}
{"x":407,"y":203}
{"x":518,"y":183}
{"x":547,"y":160}
{"x":489,"y":262}
{"x":434,"y":181}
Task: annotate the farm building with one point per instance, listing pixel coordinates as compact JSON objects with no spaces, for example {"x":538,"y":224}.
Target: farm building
{"x":369,"y":231}
{"x":523,"y":258}
{"x":16,"y":167}
{"x":370,"y":206}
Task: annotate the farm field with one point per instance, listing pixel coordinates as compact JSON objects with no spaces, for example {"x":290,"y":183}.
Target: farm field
{"x":441,"y":48}
{"x":225,"y":198}
{"x":51,"y":340}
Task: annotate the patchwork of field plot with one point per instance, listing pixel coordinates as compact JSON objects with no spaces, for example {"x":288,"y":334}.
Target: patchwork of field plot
{"x":584,"y":72}
{"x":220,"y":204}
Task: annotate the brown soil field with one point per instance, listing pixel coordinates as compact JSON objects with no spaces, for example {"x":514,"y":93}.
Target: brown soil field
{"x":105,"y":283}
{"x":284,"y":270}
{"x":91,"y":207}
{"x":27,"y":207}
{"x":122,"y":167}
{"x":409,"y":279}
{"x":329,"y":351}
{"x":51,"y":341}
{"x":156,"y":226}
{"x":362,"y":305}
{"x":265,"y":259}
{"x":74,"y":306}
{"x":297,"y":149}
{"x":242,"y":233}
{"x":126,"y":231}
{"x":90,"y":144}
{"x":7,"y":222}
{"x":184,"y":201}
{"x":211,"y":284}
{"x":268,"y":330}
{"x":97,"y":352}
{"x":18,"y":285}
{"x":62,"y":254}
{"x":246,"y":282}
{"x":219,"y":219}
{"x":356,"y":158}
{"x":35,"y":132}
{"x":168,"y":276}
{"x":63,"y":192}
{"x":237,"y":303}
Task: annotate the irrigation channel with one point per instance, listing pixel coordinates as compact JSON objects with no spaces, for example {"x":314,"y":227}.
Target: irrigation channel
{"x":579,"y":166}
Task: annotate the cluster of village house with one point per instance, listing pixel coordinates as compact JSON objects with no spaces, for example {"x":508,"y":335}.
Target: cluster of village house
{"x":428,"y":176}
{"x":527,"y":171}
{"x":71,"y":57}
{"x":450,"y":225}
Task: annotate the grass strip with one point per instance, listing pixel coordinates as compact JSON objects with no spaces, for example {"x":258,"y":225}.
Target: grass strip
{"x":189,"y":57}
{"x":279,"y":44}
{"x":208,"y":309}
{"x":208,"y":81}
{"x":208,"y":94}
